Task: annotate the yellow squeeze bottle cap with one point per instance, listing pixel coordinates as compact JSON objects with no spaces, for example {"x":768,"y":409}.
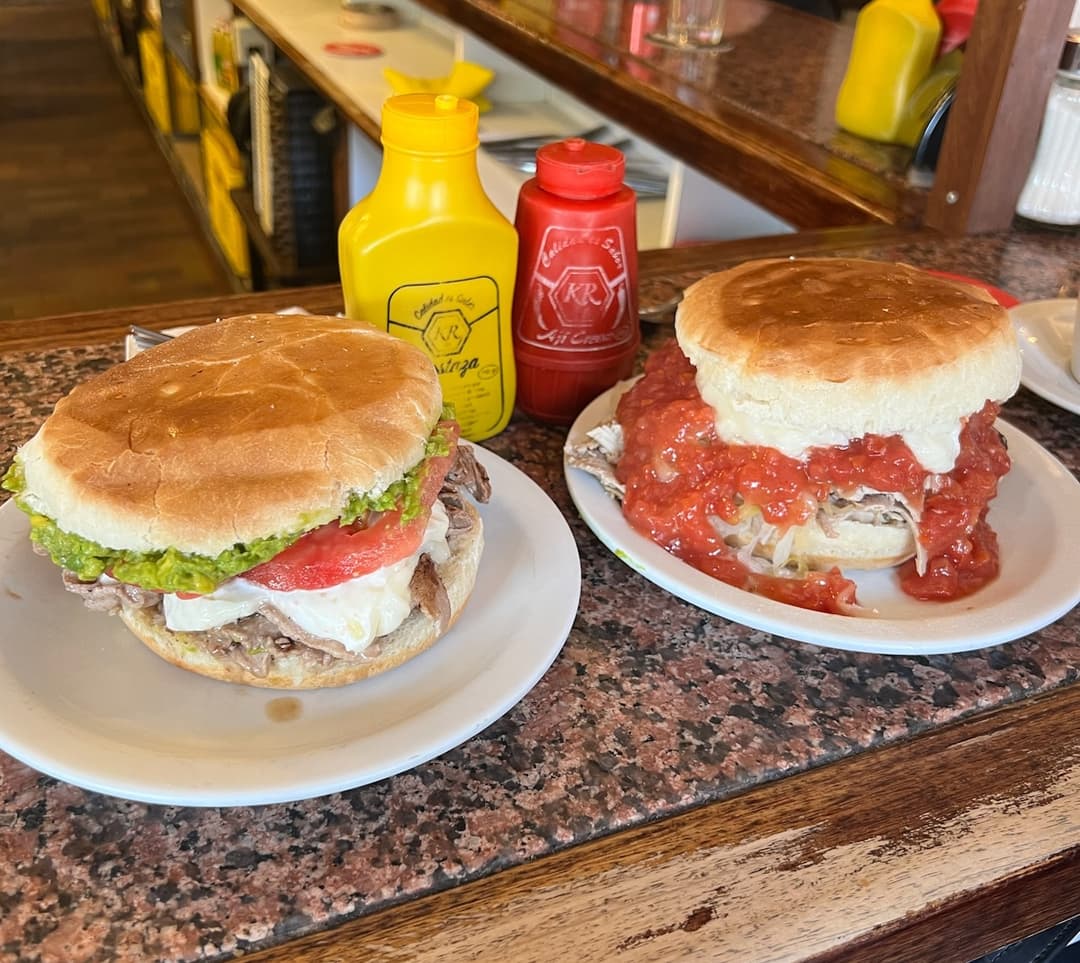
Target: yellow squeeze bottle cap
{"x":430,"y":123}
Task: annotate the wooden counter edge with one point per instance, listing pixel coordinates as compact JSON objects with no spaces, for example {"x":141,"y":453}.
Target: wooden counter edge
{"x":110,"y":324}
{"x":939,"y":848}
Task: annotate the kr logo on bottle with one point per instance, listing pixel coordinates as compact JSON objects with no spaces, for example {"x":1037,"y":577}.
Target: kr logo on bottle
{"x":578,"y":291}
{"x":455,"y":322}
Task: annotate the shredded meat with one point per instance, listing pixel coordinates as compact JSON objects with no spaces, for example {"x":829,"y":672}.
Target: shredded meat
{"x":598,"y":456}
{"x":872,"y":508}
{"x":757,"y":540}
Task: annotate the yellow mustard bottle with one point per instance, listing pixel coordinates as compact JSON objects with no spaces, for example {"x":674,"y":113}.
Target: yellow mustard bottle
{"x":429,"y":258}
{"x":893,"y":50}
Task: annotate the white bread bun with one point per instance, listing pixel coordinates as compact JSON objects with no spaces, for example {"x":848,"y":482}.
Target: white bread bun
{"x":852,"y":545}
{"x":798,"y":353}
{"x":251,"y":427}
{"x":856,"y":545}
{"x":292,"y":670}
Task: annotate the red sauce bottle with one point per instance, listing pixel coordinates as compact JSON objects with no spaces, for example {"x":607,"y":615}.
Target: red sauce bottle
{"x":575,"y":319}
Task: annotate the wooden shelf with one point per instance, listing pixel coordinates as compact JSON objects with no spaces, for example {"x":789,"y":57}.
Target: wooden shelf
{"x":277,"y":271}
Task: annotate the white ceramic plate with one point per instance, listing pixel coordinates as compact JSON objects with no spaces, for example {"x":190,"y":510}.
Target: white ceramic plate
{"x":83,"y":700}
{"x":1045,"y":332}
{"x":1036,"y":516}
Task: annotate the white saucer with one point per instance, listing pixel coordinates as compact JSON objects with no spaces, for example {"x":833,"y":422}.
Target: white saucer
{"x":1045,"y":332}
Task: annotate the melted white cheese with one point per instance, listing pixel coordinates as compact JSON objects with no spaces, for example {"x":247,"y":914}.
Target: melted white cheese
{"x":354,"y":612}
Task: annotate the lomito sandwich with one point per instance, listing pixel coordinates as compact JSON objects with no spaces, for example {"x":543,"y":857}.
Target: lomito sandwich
{"x":817,"y":415}
{"x":268,"y":500}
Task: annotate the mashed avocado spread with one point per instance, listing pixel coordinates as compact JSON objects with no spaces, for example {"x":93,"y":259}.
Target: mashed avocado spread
{"x":173,"y":571}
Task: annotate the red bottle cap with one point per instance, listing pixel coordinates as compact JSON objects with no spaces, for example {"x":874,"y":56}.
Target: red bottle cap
{"x":956,"y":19}
{"x":579,"y":169}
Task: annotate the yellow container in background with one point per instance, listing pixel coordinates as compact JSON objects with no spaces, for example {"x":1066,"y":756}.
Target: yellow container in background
{"x":892,"y":52}
{"x":183,"y":97}
{"x":155,"y":78}
{"x":223,"y":172}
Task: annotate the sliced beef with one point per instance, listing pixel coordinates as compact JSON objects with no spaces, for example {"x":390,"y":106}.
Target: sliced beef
{"x":110,"y":596}
{"x":250,"y":643}
{"x":460,"y":519}
{"x":429,"y":593}
{"x":330,"y":648}
{"x":466,"y":475}
{"x":466,"y":472}
{"x":255,"y":641}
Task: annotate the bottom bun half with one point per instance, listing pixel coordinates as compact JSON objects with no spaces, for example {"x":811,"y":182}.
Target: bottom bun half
{"x":294,"y":669}
{"x":855,"y":545}
{"x":852,"y":545}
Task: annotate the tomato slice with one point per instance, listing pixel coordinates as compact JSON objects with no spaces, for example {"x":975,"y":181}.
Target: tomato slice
{"x":335,"y":553}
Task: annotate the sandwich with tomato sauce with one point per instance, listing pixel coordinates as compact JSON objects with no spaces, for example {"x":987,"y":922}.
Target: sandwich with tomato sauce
{"x":817,"y":415}
{"x":276,"y":501}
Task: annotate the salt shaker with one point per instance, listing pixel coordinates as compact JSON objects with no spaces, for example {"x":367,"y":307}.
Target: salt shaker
{"x":1051,"y":194}
{"x":575,"y":318}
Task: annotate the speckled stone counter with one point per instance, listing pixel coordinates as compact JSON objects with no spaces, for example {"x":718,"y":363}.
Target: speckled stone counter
{"x":652,"y":707}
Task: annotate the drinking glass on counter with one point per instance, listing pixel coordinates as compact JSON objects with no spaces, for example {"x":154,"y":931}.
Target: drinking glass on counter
{"x":694,"y":23}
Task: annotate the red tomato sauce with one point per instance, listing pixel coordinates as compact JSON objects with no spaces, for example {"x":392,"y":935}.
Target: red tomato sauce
{"x":335,"y":553}
{"x":678,"y":474}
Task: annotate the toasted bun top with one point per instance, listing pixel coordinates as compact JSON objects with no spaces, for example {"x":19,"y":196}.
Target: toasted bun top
{"x":251,"y":427}
{"x":819,"y":351}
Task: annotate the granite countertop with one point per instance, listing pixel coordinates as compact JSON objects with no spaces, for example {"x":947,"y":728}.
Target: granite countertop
{"x":652,"y":707}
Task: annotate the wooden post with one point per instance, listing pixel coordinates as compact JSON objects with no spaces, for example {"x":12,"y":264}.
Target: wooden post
{"x":993,"y":128}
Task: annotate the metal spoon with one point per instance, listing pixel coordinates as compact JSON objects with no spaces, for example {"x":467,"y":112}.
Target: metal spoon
{"x":662,"y":313}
